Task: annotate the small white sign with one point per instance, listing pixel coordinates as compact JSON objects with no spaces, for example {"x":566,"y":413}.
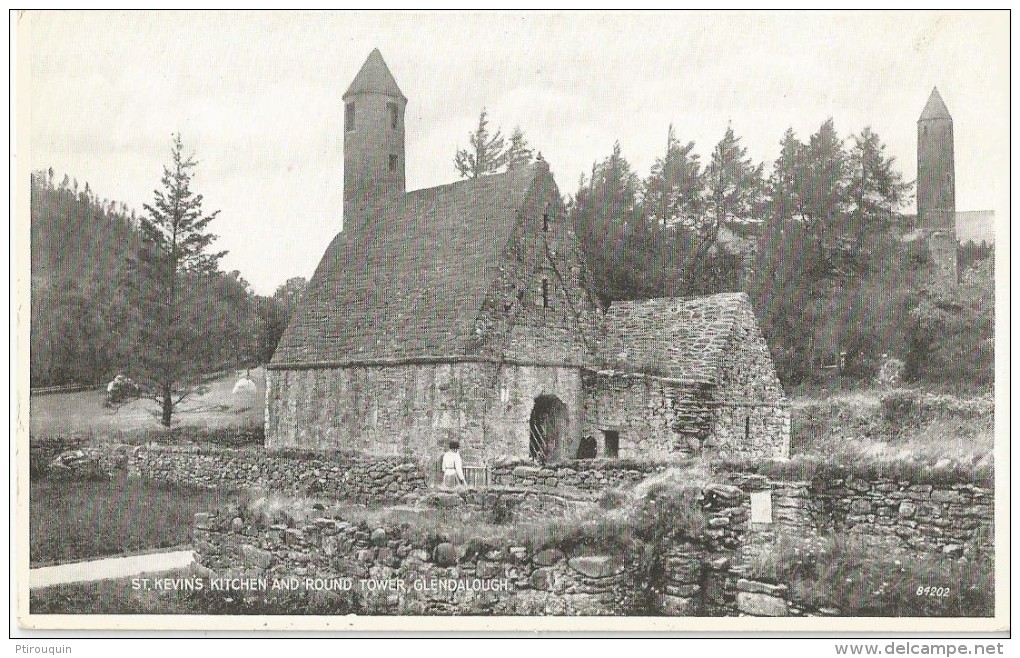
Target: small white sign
{"x":761,"y":507}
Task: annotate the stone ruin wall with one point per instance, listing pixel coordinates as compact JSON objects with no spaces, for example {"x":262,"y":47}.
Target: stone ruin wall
{"x":915,"y":516}
{"x":702,"y":577}
{"x":413,"y":410}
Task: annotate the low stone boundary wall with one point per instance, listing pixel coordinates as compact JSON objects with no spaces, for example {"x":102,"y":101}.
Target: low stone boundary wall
{"x":588,"y":475}
{"x":382,"y":571}
{"x":360,"y":479}
{"x":918,"y":516}
{"x":508,"y":503}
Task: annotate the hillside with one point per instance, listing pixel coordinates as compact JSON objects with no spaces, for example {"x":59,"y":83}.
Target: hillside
{"x":91,"y":279}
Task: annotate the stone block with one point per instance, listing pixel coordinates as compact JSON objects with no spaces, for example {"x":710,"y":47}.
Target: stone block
{"x":519,"y":553}
{"x":445,"y":555}
{"x":256,"y":557}
{"x":745,"y":585}
{"x":860,"y":506}
{"x":543,"y":579}
{"x":526,"y":471}
{"x":677,"y":606}
{"x":596,"y":566}
{"x":486,"y":569}
{"x":378,"y":537}
{"x":761,"y":605}
{"x":548,"y":557}
{"x":907,"y":509}
{"x":724,"y":490}
{"x":946,"y":496}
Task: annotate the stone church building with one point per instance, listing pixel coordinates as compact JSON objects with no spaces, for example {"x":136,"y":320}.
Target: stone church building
{"x":466,"y":311}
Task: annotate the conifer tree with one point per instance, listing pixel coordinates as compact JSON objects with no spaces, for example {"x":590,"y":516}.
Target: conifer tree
{"x":486,"y":154}
{"x":178,"y":334}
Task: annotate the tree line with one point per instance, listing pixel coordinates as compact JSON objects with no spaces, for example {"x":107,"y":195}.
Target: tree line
{"x":814,"y":238}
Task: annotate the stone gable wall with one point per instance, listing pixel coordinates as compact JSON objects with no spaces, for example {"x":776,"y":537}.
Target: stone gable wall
{"x":415,"y":409}
{"x":513,"y":322}
{"x":753,"y":414}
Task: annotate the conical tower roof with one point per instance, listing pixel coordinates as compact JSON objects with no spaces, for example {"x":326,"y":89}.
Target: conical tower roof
{"x":935,"y":108}
{"x":374,"y":77}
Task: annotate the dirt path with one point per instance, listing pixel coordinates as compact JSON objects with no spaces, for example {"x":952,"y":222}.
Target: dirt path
{"x":107,"y":568}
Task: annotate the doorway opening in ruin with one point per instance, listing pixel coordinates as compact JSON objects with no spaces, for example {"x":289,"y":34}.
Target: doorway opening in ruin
{"x":548,"y":426}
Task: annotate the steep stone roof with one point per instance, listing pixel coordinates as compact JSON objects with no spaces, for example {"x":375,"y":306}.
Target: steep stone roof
{"x":374,"y":77}
{"x":671,"y":337}
{"x":935,"y":108}
{"x":408,"y":278}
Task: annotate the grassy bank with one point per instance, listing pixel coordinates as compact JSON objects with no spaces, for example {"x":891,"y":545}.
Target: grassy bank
{"x":861,"y":578}
{"x":81,"y":519}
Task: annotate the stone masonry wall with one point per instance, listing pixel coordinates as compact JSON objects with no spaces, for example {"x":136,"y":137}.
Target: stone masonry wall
{"x":414,"y":410}
{"x":390,"y":572}
{"x":657,"y":418}
{"x":513,"y":322}
{"x":917,"y":516}
{"x":593,"y":476}
{"x":753,"y":416}
{"x":402,"y":570}
{"x":362,"y":479}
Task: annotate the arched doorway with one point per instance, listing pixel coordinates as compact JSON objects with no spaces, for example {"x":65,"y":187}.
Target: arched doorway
{"x":548,"y":426}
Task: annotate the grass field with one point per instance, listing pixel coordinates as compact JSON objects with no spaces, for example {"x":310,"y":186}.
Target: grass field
{"x":867,"y":423}
{"x":77,"y":520}
{"x":83,"y":412}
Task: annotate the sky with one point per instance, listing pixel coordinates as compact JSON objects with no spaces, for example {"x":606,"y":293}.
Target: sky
{"x":257,"y":99}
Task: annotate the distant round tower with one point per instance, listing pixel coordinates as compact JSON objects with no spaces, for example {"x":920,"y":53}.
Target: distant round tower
{"x":936,"y":189}
{"x":373,"y":137}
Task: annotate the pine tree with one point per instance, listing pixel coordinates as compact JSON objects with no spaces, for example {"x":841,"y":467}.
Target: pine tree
{"x":734,"y":182}
{"x":605,"y":214}
{"x":518,"y":153}
{"x":487,"y":152}
{"x":877,"y":189}
{"x":179,"y":333}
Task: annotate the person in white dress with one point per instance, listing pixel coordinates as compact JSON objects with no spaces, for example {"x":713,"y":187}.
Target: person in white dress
{"x":453,"y":468}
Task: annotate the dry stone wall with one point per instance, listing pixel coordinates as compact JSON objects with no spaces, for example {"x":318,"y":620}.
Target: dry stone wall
{"x":585,"y":475}
{"x":408,"y":569}
{"x":388,"y":572}
{"x":362,"y":479}
{"x":918,"y":516}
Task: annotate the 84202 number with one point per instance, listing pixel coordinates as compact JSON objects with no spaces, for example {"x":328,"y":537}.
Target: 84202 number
{"x":927,"y":590}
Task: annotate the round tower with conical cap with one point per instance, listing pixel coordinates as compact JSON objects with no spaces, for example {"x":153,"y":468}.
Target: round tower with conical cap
{"x":936,"y":188}
{"x":373,"y":137}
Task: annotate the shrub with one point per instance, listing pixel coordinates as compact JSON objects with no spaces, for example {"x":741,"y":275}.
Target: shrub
{"x":952,"y":335}
{"x":901,"y":407}
{"x":611,"y":499}
{"x":671,"y":513}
